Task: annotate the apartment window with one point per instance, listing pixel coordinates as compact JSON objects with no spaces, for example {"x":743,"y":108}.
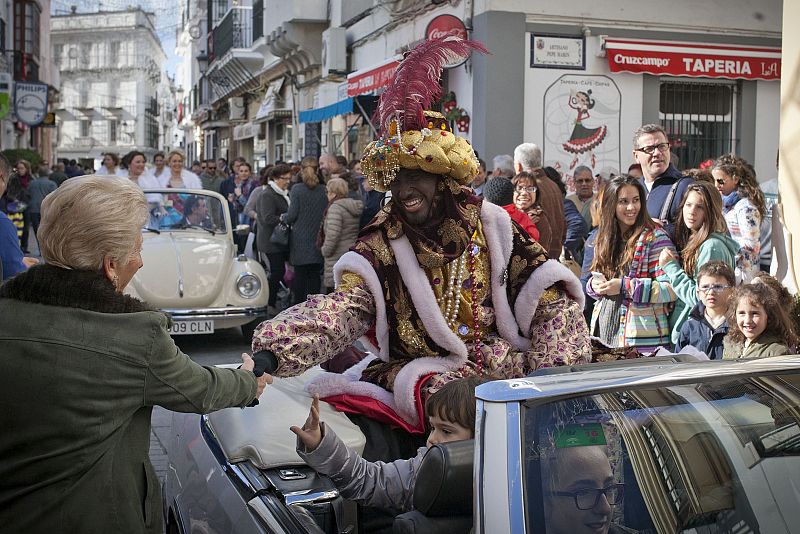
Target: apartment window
{"x":258,"y":19}
{"x":58,"y":52}
{"x":112,"y":131}
{"x":26,"y":39}
{"x":86,"y":54}
{"x":113,"y":91}
{"x":2,"y":35}
{"x":113,"y":54}
{"x":83,"y":95}
{"x":85,"y":124}
{"x":700,"y":119}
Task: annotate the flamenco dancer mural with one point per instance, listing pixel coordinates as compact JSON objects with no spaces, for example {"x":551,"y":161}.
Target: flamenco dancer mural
{"x":582,"y":124}
{"x":583,"y":139}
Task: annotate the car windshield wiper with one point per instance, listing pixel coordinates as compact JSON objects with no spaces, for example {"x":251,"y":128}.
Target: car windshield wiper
{"x":184,"y":225}
{"x":154,"y":230}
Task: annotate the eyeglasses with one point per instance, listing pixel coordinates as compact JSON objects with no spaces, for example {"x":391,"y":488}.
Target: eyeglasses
{"x":720,"y":181}
{"x":650,"y":149}
{"x":524,"y":189}
{"x":587,"y":499}
{"x":211,"y":168}
{"x":716,"y":288}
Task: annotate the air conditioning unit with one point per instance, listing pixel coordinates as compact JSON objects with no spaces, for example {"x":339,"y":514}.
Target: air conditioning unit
{"x":334,"y":51}
{"x":236,"y":108}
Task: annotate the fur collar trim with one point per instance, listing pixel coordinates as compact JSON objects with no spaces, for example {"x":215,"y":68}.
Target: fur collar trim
{"x":54,"y":286}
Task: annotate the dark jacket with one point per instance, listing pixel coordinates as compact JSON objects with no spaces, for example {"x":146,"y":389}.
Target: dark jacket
{"x":659,"y":193}
{"x":82,"y":368}
{"x":38,"y":189}
{"x":577,"y":231}
{"x":586,"y":266}
{"x":305,"y":215}
{"x":698,"y":332}
{"x":269,"y":209}
{"x":372,"y":205}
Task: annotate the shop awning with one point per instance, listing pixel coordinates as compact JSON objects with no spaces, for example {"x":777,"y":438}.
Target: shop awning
{"x":707,"y":60}
{"x":353,"y":104}
{"x":372,"y":78}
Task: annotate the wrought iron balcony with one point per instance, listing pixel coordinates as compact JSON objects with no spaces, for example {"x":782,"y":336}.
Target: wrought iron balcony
{"x":235,"y":30}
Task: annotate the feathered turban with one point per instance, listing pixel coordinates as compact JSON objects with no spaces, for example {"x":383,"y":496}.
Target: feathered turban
{"x":410,"y":136}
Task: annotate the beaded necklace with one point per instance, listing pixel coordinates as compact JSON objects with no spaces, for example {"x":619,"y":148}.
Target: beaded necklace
{"x":450,"y":299}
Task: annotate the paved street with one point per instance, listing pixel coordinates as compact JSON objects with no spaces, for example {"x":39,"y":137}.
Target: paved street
{"x":225,"y":346}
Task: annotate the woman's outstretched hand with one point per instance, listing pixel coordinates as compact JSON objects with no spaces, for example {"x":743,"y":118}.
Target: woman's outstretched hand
{"x":310,"y":434}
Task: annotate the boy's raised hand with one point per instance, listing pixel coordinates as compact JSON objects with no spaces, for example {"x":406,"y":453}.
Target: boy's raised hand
{"x":310,"y":434}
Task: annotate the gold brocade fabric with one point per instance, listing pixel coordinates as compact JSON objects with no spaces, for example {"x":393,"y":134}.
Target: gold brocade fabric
{"x":439,"y":278}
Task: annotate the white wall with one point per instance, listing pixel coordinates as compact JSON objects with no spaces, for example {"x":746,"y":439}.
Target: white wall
{"x":768,"y":121}
{"x":615,"y":151}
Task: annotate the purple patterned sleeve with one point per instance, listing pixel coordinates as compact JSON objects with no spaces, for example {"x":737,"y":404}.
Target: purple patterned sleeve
{"x":314,"y":331}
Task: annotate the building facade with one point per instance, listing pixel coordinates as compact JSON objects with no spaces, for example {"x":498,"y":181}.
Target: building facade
{"x":115,"y":95}
{"x":25,"y":58}
{"x":290,"y":79}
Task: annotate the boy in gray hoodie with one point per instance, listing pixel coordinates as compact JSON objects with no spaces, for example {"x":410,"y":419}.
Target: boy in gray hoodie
{"x":451,"y":413}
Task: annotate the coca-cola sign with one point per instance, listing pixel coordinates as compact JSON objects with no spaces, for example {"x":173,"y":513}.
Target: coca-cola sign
{"x":445,"y":25}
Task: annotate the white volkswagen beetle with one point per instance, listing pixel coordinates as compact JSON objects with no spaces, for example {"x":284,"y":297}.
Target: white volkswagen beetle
{"x":191,"y":269}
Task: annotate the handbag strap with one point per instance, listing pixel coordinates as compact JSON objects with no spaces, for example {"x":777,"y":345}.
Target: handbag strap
{"x":665,"y":209}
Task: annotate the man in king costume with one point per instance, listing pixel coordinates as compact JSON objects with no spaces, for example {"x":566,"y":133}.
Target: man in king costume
{"x":440,"y":285}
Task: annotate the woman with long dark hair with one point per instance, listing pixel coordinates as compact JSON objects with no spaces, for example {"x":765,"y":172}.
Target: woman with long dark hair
{"x":744,"y":208}
{"x":702,"y":236}
{"x":633,"y":294}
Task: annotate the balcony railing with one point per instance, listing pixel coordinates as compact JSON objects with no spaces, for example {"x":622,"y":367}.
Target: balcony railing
{"x":235,"y":30}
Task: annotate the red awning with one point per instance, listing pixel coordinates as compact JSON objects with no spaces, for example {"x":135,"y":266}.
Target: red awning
{"x":693,"y":59}
{"x":368,"y":80}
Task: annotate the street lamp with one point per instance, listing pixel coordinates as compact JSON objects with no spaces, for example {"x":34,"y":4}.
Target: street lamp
{"x":202,"y":62}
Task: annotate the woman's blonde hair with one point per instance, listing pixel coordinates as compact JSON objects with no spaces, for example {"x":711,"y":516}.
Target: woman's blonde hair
{"x":308,"y":173}
{"x":25,"y":163}
{"x":176,"y":152}
{"x":338,"y":187}
{"x":89,"y":218}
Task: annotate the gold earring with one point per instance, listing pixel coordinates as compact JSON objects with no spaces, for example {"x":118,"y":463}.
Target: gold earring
{"x":115,"y":281}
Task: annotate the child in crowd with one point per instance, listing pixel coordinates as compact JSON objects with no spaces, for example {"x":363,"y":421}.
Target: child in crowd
{"x":786,"y":299}
{"x":707,"y":324}
{"x":760,"y":326}
{"x":451,"y":413}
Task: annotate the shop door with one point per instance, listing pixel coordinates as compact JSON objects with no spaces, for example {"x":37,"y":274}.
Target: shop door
{"x":700,"y":119}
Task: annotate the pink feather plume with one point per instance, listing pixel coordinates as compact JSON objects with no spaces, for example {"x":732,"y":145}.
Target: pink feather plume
{"x":415,"y":84}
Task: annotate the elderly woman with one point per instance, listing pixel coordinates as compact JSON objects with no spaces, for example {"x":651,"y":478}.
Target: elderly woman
{"x":82,"y":367}
{"x":339,"y":228}
{"x":178,"y":177}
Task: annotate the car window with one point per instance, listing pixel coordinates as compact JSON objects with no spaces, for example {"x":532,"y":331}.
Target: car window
{"x":707,"y":457}
{"x":185,"y":211}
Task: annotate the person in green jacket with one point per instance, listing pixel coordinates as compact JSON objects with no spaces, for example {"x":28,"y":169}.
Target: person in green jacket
{"x":702,"y":236}
{"x":759,"y":325}
{"x":82,"y":367}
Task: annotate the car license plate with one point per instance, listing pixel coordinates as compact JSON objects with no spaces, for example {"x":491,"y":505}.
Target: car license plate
{"x":180,"y":328}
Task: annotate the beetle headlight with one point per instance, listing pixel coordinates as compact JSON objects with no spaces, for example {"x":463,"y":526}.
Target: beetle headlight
{"x":248,"y":285}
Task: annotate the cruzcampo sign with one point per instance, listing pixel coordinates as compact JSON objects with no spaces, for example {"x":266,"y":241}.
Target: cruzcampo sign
{"x":30,"y":102}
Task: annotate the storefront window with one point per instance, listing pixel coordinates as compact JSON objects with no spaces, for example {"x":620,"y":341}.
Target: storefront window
{"x":700,"y":119}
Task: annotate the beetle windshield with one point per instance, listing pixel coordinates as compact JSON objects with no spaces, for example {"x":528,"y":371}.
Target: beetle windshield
{"x":708,"y":457}
{"x":185,"y":211}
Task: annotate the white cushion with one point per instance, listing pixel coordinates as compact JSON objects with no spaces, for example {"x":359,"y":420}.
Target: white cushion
{"x":261,"y":434}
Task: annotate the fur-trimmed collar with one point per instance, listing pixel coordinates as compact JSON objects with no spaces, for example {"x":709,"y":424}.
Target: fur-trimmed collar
{"x":54,"y":286}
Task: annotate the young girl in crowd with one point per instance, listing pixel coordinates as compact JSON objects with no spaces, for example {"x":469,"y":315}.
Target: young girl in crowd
{"x":702,"y":236}
{"x":744,"y":208}
{"x":633,"y":294}
{"x":451,"y":413}
{"x":759,"y":325}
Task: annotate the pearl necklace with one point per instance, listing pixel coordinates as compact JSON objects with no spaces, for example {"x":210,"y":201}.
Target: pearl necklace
{"x":450,"y":300}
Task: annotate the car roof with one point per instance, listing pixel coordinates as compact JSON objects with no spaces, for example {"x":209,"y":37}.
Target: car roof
{"x":597,"y":377}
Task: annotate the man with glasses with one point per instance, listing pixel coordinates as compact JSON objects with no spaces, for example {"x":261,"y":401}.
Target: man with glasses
{"x":12,"y":261}
{"x":665,"y":185}
{"x":210,"y":178}
{"x":583,"y":181}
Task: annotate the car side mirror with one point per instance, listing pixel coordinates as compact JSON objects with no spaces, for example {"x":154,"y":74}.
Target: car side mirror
{"x":242,"y":229}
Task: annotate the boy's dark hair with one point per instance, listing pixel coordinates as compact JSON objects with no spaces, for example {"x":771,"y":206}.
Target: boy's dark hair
{"x":719,"y":269}
{"x":455,"y":401}
{"x":778,"y":322}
